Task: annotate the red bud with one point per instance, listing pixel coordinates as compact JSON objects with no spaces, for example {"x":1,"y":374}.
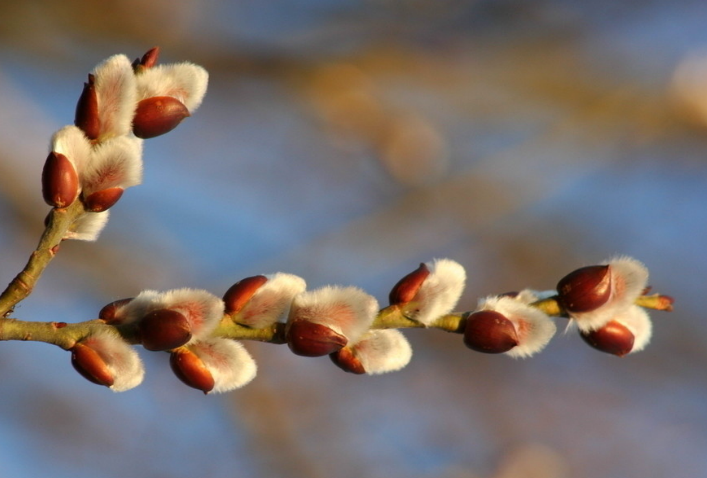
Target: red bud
{"x":107,"y":313}
{"x":87,"y":110}
{"x":489,"y":332}
{"x":406,"y":288}
{"x":613,"y":338}
{"x":60,"y":181}
{"x":241,"y":292}
{"x":585,"y":289}
{"x":99,"y":201}
{"x":158,"y":115}
{"x":190,"y":369}
{"x":149,"y":59}
{"x":313,"y":340}
{"x":90,"y":365}
{"x":164,"y":329}
{"x":347,"y":361}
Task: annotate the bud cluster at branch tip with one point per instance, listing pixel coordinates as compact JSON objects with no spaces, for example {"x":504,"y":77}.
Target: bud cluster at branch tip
{"x":100,"y":155}
{"x":167,"y":94}
{"x":602,"y":301}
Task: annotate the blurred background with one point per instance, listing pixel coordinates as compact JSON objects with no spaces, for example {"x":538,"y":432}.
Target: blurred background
{"x":346,"y":141}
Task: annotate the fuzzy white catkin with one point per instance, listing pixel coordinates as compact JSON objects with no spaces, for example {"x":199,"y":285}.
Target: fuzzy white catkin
{"x":346,"y":310}
{"x":271,"y":302}
{"x":116,"y":91}
{"x":629,"y":278}
{"x":229,"y":363}
{"x":121,"y":359}
{"x":202,"y":309}
{"x":114,"y":163}
{"x":383,"y":351}
{"x":72,"y":143}
{"x":440,"y":292}
{"x":88,"y":227}
{"x":184,"y":81}
{"x":533,"y":327}
{"x":637,"y":320}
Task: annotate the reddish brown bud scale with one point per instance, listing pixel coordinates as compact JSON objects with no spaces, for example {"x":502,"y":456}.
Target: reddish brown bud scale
{"x":489,"y":332}
{"x":406,"y":288}
{"x":347,"y":361}
{"x":190,"y":369}
{"x":164,"y":329}
{"x":86,"y":116}
{"x":60,"y":181}
{"x":585,"y":289}
{"x":313,"y":340}
{"x":107,"y":313}
{"x":99,"y":201}
{"x":238,"y":295}
{"x":149,"y":59}
{"x":158,"y":115}
{"x":90,"y":365}
{"x":613,"y":338}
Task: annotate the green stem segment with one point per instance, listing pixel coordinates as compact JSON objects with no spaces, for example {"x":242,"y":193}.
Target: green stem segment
{"x":58,"y":223}
{"x":274,"y":334}
{"x":60,"y":334}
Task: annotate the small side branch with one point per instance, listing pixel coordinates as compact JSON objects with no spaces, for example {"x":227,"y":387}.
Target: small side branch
{"x":58,"y":223}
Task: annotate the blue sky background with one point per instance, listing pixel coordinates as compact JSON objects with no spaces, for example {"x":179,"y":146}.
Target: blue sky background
{"x":345,"y":142}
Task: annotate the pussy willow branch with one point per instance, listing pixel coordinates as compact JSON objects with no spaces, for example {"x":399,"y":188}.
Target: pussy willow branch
{"x":66,"y":335}
{"x":58,"y":223}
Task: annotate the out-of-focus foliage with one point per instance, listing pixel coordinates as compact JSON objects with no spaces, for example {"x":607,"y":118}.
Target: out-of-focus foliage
{"x":346,"y":142}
